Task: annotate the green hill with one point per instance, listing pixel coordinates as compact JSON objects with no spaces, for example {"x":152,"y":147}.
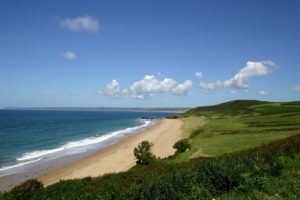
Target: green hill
{"x":242,"y":149}
{"x":246,"y":107}
{"x":231,"y":107}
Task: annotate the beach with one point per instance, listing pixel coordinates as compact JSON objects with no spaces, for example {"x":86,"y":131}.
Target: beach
{"x":119,"y":157}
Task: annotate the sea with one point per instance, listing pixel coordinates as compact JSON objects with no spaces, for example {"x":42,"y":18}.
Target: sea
{"x":32,"y":137}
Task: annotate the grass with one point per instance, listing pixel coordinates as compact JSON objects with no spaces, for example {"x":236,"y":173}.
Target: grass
{"x":285,"y":186}
{"x":224,"y":132}
{"x":192,"y":124}
{"x":277,"y":108}
{"x":231,"y":107}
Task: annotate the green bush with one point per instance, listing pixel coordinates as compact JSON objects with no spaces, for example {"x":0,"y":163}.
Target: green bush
{"x":143,"y":153}
{"x":178,"y":185}
{"x":182,"y":145}
{"x":198,"y":193}
{"x":26,"y":190}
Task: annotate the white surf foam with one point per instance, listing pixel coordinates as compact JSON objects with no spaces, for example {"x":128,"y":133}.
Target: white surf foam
{"x":80,"y":143}
{"x":18,"y":165}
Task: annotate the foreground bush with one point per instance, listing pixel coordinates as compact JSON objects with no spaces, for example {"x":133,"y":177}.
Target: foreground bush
{"x":182,"y":145}
{"x":26,"y":190}
{"x":143,"y":153}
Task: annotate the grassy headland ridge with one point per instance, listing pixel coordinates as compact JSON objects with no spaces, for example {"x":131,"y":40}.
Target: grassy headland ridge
{"x":241,"y":149}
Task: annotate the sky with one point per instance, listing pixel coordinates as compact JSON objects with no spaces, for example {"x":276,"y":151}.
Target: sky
{"x":148,"y":53}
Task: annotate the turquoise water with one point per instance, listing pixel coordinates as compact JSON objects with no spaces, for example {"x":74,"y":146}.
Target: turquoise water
{"x":30,"y":136}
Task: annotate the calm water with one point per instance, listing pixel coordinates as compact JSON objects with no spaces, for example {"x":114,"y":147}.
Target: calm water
{"x":31,"y":136}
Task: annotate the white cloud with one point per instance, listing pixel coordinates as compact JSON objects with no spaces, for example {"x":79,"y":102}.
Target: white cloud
{"x":199,"y":74}
{"x":111,"y":89}
{"x":233,"y":92}
{"x":181,"y":89}
{"x":297,"y":88}
{"x":148,"y":87}
{"x":211,"y":86}
{"x":263,"y":93}
{"x":240,"y":80}
{"x":83,"y":23}
{"x":69,"y":55}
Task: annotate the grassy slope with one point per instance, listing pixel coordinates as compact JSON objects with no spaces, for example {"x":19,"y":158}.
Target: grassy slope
{"x":267,"y":172}
{"x":247,"y":125}
{"x":192,"y":124}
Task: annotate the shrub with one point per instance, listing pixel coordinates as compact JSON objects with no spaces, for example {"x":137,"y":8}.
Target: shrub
{"x":143,"y":153}
{"x":198,"y":193}
{"x":182,"y":145}
{"x":178,"y":185}
{"x":26,"y":190}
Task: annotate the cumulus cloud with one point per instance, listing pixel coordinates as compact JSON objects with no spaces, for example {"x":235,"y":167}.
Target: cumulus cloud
{"x":199,"y":74}
{"x":69,"y":55}
{"x":111,"y":89}
{"x":297,"y":88}
{"x":263,"y":93}
{"x":182,"y":88}
{"x":83,"y":23}
{"x":148,"y":87}
{"x":240,"y":80}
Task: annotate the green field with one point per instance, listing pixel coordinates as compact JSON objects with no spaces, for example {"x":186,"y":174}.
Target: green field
{"x":224,"y":132}
{"x":239,"y":150}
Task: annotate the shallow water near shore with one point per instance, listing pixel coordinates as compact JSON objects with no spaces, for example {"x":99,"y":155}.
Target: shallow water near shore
{"x":33,"y":142}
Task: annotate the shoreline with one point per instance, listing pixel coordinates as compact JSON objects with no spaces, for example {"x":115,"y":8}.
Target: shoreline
{"x":116,"y":157}
{"x":35,"y":169}
{"x":119,"y":156}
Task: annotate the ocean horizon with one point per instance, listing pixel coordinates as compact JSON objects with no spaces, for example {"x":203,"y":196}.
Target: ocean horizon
{"x":31,"y":137}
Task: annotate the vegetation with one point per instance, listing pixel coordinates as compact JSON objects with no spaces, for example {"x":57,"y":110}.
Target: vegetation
{"x":143,"y":153}
{"x":192,"y":124}
{"x":249,"y":127}
{"x":231,"y":107}
{"x":182,"y":145}
{"x":242,"y":150}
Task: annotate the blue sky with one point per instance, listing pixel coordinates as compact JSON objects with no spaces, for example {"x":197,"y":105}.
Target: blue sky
{"x":146,"y":53}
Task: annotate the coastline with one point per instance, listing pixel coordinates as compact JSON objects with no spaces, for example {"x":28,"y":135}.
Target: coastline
{"x":32,"y":169}
{"x":119,"y":156}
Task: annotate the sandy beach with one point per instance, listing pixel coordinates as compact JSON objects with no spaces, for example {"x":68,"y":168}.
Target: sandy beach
{"x":119,"y":157}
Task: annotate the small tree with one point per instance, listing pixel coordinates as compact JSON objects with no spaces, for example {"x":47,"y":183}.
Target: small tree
{"x":143,"y":153}
{"x":182,"y":145}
